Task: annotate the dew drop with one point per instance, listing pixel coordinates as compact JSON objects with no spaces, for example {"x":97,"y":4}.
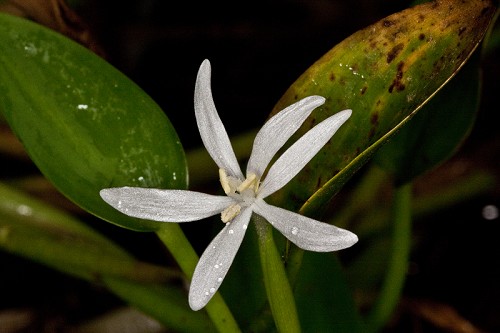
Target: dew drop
{"x":216,"y":266}
{"x":212,"y":290}
{"x":219,"y":279}
{"x":295,"y":230}
{"x":490,"y":212}
{"x":24,"y":210}
{"x":30,"y":49}
{"x":231,"y":231}
{"x":244,"y":226}
{"x":206,"y":293}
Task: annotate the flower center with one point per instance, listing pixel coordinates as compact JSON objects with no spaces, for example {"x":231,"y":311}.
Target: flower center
{"x":243,"y":191}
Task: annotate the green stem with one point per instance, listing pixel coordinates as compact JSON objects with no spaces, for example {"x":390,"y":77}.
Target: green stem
{"x":398,"y":264}
{"x":278,"y":289}
{"x":180,"y":248}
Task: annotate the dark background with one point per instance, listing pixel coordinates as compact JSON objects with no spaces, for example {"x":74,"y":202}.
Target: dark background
{"x":257,"y":49}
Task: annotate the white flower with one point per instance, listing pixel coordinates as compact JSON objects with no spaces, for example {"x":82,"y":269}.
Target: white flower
{"x":244,"y":195}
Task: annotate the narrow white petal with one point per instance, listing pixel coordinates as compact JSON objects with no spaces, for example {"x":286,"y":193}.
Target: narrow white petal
{"x":277,"y":130}
{"x":300,"y":153}
{"x":211,"y":129}
{"x":216,"y":260}
{"x":305,"y":232}
{"x":164,"y":205}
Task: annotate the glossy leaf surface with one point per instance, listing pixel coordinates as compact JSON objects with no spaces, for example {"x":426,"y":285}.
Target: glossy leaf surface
{"x":385,"y":73}
{"x":84,"y":124}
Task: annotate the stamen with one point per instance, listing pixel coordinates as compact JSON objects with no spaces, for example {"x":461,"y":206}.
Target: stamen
{"x":249,"y":182}
{"x":224,"y":181}
{"x":230,"y":213}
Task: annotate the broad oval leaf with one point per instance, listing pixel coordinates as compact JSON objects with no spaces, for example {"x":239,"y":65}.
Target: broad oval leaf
{"x":384,"y":73}
{"x":85,"y":125}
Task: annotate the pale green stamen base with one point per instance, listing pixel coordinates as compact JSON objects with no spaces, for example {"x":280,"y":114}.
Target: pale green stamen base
{"x":244,"y":191}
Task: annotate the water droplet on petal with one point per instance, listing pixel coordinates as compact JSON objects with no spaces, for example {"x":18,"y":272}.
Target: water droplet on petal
{"x":212,"y":290}
{"x":231,"y":231}
{"x":295,"y":230}
{"x":244,"y":226}
{"x":206,"y":293}
{"x":216,"y":266}
{"x":219,"y":279}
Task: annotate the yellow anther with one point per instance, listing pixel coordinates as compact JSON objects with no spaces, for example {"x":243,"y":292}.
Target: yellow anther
{"x":224,"y":181}
{"x":230,"y":213}
{"x":251,"y":181}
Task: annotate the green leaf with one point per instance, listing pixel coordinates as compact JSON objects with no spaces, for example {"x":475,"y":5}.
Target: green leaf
{"x":437,"y":130}
{"x":385,"y":74}
{"x":44,"y":234}
{"x":85,"y":125}
{"x":323,"y":299}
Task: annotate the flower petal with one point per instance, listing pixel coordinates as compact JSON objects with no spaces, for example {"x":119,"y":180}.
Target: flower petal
{"x":164,"y":205}
{"x":300,"y":153}
{"x":211,"y":129}
{"x":277,"y":130}
{"x":305,"y":232}
{"x":216,"y":260}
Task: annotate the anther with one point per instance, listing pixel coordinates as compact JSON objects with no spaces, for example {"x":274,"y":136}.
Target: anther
{"x":224,"y":181}
{"x":247,"y":183}
{"x":230,"y":213}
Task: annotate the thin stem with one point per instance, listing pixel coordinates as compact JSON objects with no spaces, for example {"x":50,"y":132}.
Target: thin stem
{"x":180,"y":248}
{"x":278,"y":289}
{"x":398,"y":265}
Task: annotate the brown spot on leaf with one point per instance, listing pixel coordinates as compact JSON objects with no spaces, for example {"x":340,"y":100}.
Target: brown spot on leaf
{"x":397,"y":82}
{"x":374,"y":119}
{"x":363,"y":90}
{"x":372,"y":133}
{"x":394,"y":52}
{"x":318,"y":184}
{"x":421,"y":36}
{"x":332,"y":77}
{"x":461,"y":30}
